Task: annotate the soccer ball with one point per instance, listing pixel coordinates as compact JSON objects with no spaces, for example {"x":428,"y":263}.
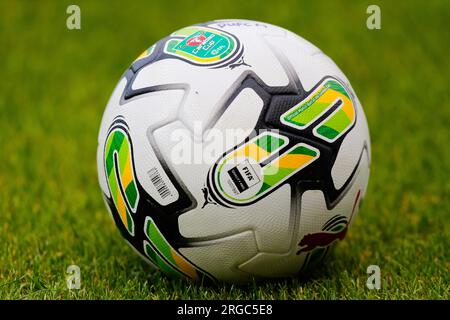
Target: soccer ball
{"x":233,"y":150}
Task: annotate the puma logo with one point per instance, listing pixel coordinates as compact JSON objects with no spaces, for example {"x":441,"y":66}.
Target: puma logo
{"x":320,"y":239}
{"x":207,"y":198}
{"x":326,"y":237}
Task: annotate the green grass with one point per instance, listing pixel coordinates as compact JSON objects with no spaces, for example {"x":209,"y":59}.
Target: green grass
{"x":55,"y":84}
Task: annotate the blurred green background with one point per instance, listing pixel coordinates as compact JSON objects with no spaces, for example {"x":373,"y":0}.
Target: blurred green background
{"x":55,"y":84}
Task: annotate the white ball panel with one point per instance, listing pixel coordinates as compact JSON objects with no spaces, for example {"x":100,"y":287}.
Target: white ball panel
{"x":273,"y":265}
{"x":208,"y":89}
{"x":239,"y":118}
{"x":141,"y":117}
{"x":269,"y":218}
{"x":111,"y":110}
{"x":365,"y":128}
{"x":257,"y":54}
{"x":153,"y":109}
{"x":314,"y":213}
{"x":108,"y":116}
{"x":101,"y":170}
{"x":311,"y":66}
{"x":221,"y":257}
{"x":350,"y":150}
{"x":243,"y":26}
{"x":307,"y":47}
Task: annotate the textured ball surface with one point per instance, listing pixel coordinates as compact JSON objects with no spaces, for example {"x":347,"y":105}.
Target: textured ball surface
{"x":233,"y":149}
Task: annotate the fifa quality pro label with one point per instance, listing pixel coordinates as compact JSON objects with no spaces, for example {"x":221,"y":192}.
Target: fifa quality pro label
{"x":255,"y":168}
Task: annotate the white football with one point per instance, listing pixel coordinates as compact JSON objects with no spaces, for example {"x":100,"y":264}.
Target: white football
{"x":233,"y":150}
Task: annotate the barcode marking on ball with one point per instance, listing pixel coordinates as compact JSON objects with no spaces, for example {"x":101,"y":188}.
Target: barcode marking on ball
{"x":159,"y":183}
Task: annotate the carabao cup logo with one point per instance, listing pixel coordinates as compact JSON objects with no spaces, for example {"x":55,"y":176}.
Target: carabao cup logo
{"x":204,"y":46}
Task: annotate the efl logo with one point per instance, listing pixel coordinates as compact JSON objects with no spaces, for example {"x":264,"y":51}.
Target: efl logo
{"x":196,"y":41}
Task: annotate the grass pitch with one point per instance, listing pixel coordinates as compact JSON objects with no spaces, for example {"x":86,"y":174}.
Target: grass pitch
{"x":55,"y":85}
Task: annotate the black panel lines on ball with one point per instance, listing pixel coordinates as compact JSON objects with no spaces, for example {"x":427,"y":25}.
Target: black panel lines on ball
{"x":276,"y":101}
